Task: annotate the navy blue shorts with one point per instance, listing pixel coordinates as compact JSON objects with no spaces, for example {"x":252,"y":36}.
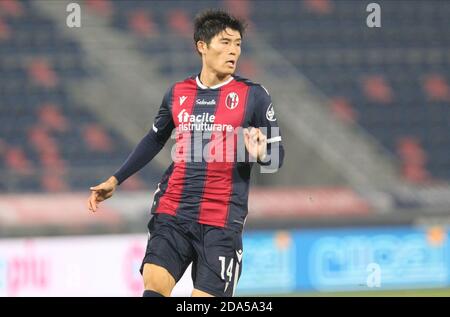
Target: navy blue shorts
{"x":215,"y":253}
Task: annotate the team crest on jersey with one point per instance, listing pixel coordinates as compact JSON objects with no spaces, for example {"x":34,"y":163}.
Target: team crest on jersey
{"x":270,"y":113}
{"x":232,"y":100}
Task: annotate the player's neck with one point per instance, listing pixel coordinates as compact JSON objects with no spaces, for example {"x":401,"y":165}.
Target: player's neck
{"x":210,"y":79}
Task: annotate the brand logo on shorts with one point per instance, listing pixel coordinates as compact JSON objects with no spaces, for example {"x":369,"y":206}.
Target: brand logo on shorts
{"x":239,"y":255}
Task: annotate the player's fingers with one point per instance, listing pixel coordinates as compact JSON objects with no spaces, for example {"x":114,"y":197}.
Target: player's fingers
{"x":98,"y":187}
{"x":254,"y":135}
{"x":88,"y":203}
{"x":94,"y":200}
{"x":103,"y":196}
{"x":246,"y":137}
{"x":253,"y":131}
{"x":262,"y":138}
{"x":246,"y":134}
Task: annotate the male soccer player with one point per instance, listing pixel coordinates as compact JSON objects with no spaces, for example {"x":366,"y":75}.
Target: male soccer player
{"x":200,"y":205}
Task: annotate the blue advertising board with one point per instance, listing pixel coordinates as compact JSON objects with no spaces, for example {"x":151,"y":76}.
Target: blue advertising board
{"x":269,"y":264}
{"x":345,"y":259}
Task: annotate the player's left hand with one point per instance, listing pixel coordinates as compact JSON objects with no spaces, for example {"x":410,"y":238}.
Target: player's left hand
{"x":256,"y":143}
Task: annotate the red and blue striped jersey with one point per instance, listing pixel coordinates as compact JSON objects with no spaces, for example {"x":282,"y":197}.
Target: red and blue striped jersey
{"x":208,"y":181}
{"x":195,"y":188}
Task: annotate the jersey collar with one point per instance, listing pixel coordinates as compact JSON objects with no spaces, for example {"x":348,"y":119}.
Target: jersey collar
{"x":199,"y":83}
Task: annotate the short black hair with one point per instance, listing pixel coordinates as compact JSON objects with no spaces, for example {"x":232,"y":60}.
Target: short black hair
{"x":211,"y":22}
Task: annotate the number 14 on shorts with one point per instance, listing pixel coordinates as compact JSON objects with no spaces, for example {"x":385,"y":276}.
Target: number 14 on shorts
{"x":227,"y":265}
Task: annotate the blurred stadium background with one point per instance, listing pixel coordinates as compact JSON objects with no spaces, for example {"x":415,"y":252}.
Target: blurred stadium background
{"x":365,"y":114}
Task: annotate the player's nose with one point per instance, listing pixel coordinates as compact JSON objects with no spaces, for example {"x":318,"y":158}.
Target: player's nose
{"x":234,"y":50}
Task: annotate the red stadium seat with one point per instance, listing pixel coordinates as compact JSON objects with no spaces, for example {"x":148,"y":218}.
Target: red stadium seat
{"x":321,"y":7}
{"x":11,"y":7}
{"x":414,"y":173}
{"x":42,"y":74}
{"x":40,"y":138}
{"x":342,"y":109}
{"x":240,"y":8}
{"x":180,"y":22}
{"x":436,"y":87}
{"x":96,"y":138}
{"x":100,"y":7}
{"x":410,"y":150}
{"x":377,"y":89}
{"x":54,"y":182}
{"x":50,"y":158}
{"x":141,"y":23}
{"x":15,"y":159}
{"x":413,"y":159}
{"x":51,"y":117}
{"x":46,"y":147}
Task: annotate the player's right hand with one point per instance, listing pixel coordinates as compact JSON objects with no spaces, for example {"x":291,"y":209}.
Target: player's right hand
{"x":101,"y":192}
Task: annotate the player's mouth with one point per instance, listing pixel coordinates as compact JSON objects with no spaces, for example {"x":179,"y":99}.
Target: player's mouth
{"x":231,"y":63}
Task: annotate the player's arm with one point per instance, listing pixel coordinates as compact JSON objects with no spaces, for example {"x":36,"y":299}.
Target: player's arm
{"x":263,"y":139}
{"x":144,"y":152}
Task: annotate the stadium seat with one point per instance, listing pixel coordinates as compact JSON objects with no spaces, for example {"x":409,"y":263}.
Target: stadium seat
{"x":180,"y":22}
{"x":141,"y":23}
{"x":49,"y":141}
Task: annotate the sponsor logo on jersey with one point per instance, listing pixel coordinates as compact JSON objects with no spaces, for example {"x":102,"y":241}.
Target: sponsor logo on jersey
{"x":203,"y":102}
{"x":184,"y":117}
{"x":200,"y":122}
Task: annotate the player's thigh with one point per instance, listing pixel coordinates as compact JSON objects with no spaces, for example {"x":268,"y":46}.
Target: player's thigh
{"x":169,"y":251}
{"x":158,"y":279}
{"x":199,"y":293}
{"x":218,"y":266}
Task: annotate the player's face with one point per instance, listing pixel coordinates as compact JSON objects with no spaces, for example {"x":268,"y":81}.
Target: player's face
{"x":222,"y":54}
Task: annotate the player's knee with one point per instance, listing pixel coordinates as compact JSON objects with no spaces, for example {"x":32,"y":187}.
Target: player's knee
{"x":158,"y":279}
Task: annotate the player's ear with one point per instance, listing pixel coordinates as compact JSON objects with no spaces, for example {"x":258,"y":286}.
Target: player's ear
{"x":201,"y":47}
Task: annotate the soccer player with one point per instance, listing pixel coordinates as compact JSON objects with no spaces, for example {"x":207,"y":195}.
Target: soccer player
{"x":200,"y":205}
